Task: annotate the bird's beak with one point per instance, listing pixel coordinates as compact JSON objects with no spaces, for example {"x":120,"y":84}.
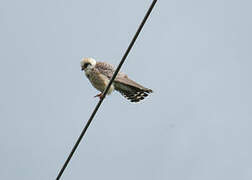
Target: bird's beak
{"x":82,"y":68}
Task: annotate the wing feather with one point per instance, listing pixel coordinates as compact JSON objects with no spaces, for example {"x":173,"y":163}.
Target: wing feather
{"x":127,"y":87}
{"x":105,"y":68}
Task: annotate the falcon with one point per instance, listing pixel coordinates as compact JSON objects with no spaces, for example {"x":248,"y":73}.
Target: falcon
{"x":100,"y":73}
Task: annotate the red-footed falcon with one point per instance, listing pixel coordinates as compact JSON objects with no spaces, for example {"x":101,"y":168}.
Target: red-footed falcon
{"x":99,"y":74}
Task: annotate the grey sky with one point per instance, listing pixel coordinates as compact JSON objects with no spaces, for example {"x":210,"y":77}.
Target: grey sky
{"x":195,"y":55}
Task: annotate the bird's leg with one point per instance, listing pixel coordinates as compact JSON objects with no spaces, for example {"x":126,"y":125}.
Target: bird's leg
{"x":99,"y":95}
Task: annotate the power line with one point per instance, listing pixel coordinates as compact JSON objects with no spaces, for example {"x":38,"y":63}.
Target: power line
{"x":107,"y":88}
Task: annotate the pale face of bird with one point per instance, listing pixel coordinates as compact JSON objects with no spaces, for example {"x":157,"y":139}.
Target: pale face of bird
{"x":87,"y":64}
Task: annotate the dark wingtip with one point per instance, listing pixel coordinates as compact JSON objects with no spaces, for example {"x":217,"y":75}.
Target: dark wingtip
{"x":149,"y":91}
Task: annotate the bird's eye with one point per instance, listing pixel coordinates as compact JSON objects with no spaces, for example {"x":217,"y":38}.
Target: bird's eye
{"x":86,"y":65}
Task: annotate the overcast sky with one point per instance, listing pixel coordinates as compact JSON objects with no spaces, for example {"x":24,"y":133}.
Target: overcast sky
{"x":196,"y":56}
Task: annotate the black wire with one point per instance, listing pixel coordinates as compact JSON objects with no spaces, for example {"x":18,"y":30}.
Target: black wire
{"x":107,"y":88}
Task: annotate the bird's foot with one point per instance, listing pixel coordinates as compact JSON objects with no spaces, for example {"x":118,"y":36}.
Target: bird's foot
{"x":99,"y":95}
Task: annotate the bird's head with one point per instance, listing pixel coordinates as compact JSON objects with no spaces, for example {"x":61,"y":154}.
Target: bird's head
{"x":87,"y":64}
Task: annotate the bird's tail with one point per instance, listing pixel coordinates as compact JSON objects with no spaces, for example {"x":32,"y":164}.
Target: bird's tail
{"x":134,"y":94}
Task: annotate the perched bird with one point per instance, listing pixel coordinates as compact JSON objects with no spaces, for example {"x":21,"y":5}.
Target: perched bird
{"x":100,"y":73}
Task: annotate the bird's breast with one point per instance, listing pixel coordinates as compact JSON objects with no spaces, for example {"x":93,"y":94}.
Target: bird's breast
{"x":98,"y":80}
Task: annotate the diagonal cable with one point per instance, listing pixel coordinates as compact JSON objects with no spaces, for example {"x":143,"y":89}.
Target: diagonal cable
{"x":107,"y":88}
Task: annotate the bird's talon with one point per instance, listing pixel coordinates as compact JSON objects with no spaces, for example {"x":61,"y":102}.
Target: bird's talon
{"x":99,"y":95}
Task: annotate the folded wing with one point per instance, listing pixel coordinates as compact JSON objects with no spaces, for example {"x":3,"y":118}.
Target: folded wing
{"x":127,"y":87}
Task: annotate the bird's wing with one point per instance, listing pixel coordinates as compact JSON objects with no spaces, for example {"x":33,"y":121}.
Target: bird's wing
{"x":105,"y":68}
{"x":127,"y":87}
{"x":108,"y":70}
{"x":124,"y":80}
